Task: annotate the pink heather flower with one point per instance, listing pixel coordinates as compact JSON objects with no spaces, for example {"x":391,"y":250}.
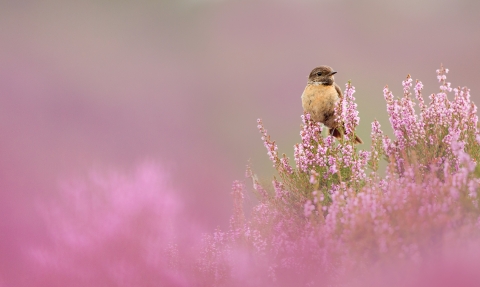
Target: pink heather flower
{"x":346,"y":110}
{"x":411,"y":125}
{"x":463,"y":158}
{"x":332,"y":164}
{"x":407,"y":84}
{"x":377,"y":141}
{"x":259,"y":188}
{"x":472,"y":188}
{"x":286,"y":166}
{"x":313,"y":176}
{"x":280,"y":191}
{"x":442,"y":74}
{"x":463,"y":109}
{"x":308,"y":208}
{"x":315,"y":197}
{"x":394,"y":111}
{"x":439,"y":110}
{"x":388,"y":146}
{"x":347,"y":155}
{"x":446,"y":87}
{"x":359,"y":166}
{"x":299,"y":154}
{"x":270,"y":145}
{"x":310,"y":134}
{"x":328,"y":141}
{"x":406,"y":126}
{"x":418,"y":95}
{"x":376,"y":131}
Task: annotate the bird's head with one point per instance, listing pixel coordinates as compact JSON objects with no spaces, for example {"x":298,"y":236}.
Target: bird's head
{"x":322,"y":75}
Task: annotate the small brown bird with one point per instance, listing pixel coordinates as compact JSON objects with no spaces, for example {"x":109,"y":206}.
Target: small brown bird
{"x":320,"y":97}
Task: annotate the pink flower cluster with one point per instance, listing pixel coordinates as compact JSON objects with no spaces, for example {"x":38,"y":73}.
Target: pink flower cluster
{"x":427,"y":137}
{"x":346,"y":111}
{"x":270,"y":145}
{"x":312,"y":151}
{"x":279,"y":163}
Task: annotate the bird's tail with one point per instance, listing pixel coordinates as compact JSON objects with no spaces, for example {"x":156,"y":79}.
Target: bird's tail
{"x":358,"y":140}
{"x":336,"y":133}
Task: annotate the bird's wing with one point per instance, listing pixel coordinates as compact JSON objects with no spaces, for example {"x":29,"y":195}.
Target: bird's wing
{"x":339,"y":91}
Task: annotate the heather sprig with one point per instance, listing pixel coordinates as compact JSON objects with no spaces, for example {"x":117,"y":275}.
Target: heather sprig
{"x":346,"y":112}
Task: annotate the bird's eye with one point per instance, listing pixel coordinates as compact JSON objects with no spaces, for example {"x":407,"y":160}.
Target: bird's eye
{"x":319,"y":74}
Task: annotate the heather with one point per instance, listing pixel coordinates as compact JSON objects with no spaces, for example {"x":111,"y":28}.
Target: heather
{"x":335,"y":215}
{"x":403,"y":212}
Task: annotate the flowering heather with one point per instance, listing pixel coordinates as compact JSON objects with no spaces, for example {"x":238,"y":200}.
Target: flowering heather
{"x":427,"y":138}
{"x":331,"y":219}
{"x":321,"y":162}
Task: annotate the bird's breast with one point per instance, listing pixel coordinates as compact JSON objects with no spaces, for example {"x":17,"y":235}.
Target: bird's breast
{"x":319,"y":101}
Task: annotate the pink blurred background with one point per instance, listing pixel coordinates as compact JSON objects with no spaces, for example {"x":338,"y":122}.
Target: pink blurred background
{"x":111,"y":84}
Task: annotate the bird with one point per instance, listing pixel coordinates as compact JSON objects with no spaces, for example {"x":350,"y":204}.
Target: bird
{"x":319,"y":99}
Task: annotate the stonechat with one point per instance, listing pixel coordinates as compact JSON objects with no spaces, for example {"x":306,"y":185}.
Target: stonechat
{"x":319,"y":99}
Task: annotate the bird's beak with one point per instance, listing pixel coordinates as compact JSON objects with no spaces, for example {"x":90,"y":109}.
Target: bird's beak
{"x":332,"y":73}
